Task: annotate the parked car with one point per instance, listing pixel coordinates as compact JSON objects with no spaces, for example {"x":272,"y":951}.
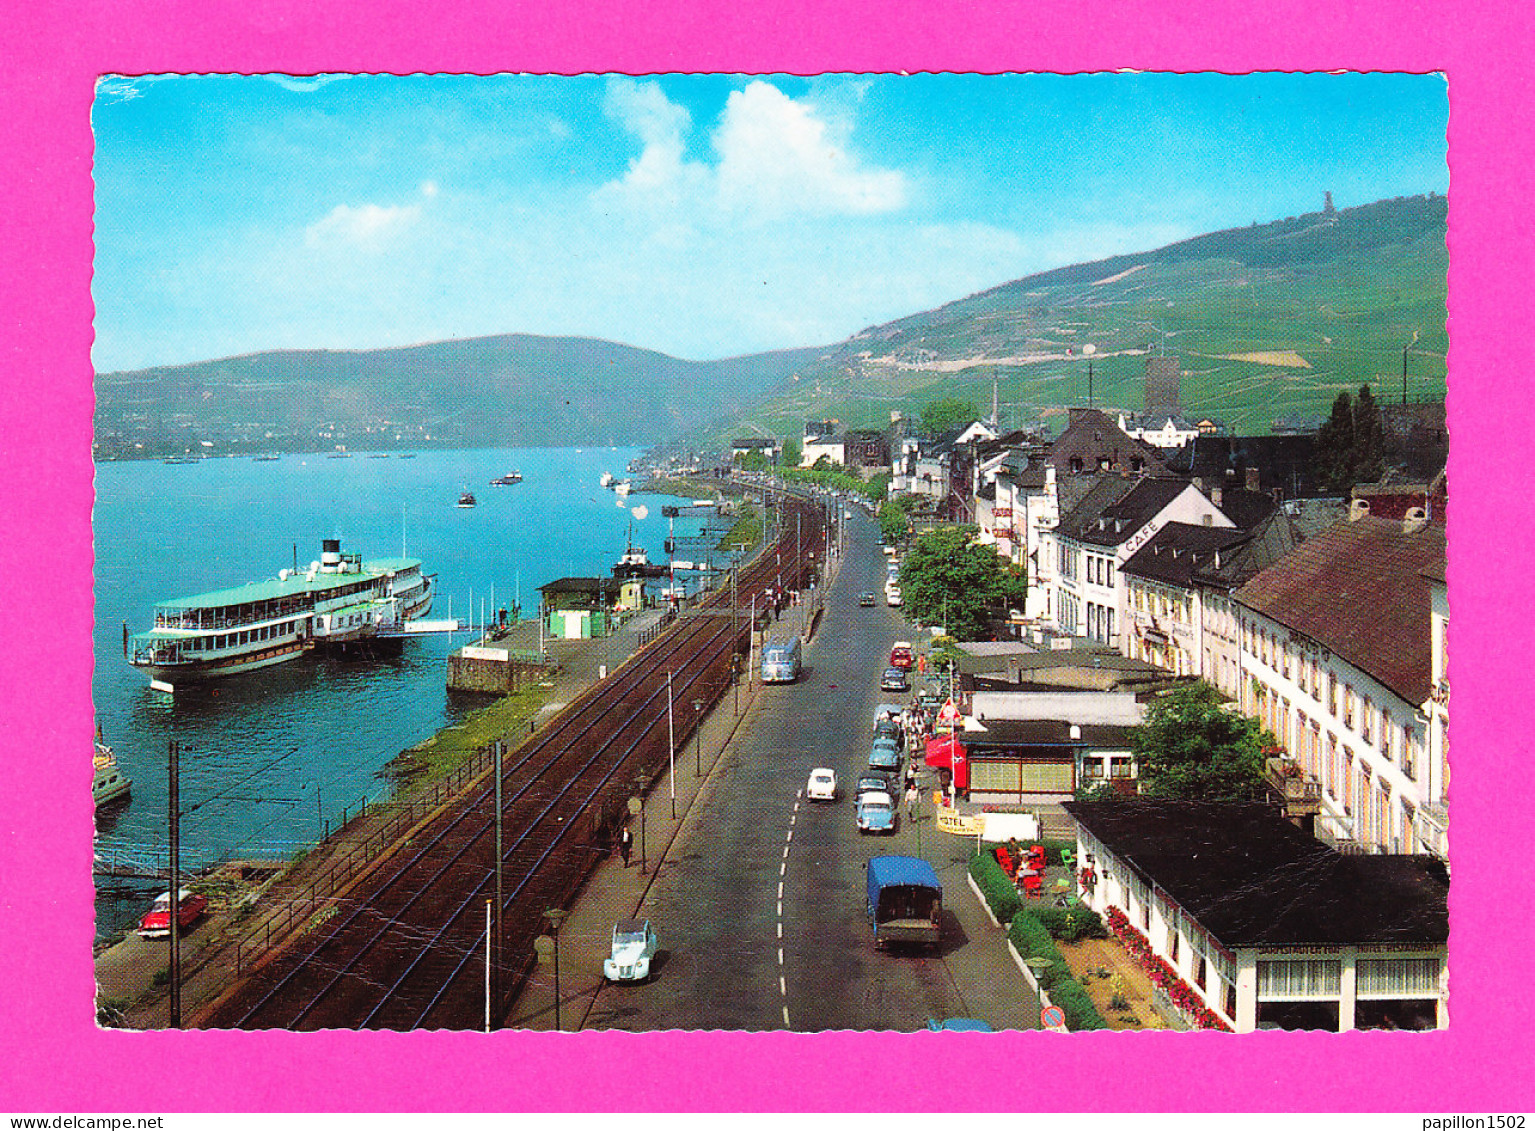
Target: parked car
{"x":156,"y":923}
{"x":866,"y":600}
{"x":634,"y":948}
{"x":822,"y":785}
{"x":885,"y":756}
{"x":876,"y":813}
{"x":874,"y":781}
{"x":958,"y":1025}
{"x":894,"y":679}
{"x":893,"y":598}
{"x":901,"y":655}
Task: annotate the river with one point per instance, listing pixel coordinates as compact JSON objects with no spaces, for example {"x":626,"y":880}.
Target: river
{"x":268,"y":757}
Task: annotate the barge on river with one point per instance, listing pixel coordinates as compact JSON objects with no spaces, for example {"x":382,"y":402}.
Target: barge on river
{"x":339,"y":600}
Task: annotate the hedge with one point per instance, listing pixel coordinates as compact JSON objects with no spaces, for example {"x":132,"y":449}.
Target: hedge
{"x":1032,"y":940}
{"x":1000,"y":894}
{"x":1076,"y":921}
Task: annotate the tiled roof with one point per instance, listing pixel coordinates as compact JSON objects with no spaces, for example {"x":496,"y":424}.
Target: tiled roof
{"x":1178,"y":549}
{"x":1358,"y":589}
{"x":1261,"y":547}
{"x":1002,"y":733}
{"x":1253,"y":879}
{"x":1103,"y":492}
{"x":1118,"y":521}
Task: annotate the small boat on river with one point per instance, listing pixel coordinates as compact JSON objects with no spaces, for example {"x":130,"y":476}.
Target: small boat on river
{"x":466,"y":500}
{"x":109,"y":783}
{"x":511,"y":478}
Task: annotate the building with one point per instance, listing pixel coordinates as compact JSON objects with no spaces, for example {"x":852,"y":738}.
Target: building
{"x":1338,"y":656}
{"x":578,"y":607}
{"x":1041,"y":761}
{"x":767,"y":447}
{"x":1159,"y":428}
{"x":1264,"y":926}
{"x":1092,"y":441}
{"x":1162,"y":373}
{"x":866,"y":447}
{"x":1116,"y":518}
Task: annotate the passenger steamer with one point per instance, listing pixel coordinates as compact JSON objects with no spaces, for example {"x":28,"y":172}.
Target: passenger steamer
{"x":339,"y":600}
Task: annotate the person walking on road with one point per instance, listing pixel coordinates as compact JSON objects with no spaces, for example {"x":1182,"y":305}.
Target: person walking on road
{"x":625,"y":844}
{"x":913,"y":799}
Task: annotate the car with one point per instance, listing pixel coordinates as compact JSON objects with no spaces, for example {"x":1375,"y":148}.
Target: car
{"x":885,"y":756}
{"x":901,"y":655}
{"x":156,"y":923}
{"x":822,"y":785}
{"x":893,"y":598}
{"x":873,"y":781}
{"x":894,"y":679}
{"x":958,"y":1025}
{"x":866,"y":600}
{"x":876,"y":813}
{"x":633,"y":950}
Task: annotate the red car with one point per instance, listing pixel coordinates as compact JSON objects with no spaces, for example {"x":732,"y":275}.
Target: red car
{"x":156,"y":923}
{"x":900,"y":656}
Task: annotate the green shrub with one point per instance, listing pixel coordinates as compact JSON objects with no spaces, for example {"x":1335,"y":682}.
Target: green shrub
{"x":1032,"y":940}
{"x":996,"y":888}
{"x":1070,"y":923}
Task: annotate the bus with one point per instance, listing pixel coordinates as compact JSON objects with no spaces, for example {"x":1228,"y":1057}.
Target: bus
{"x":781,"y":660}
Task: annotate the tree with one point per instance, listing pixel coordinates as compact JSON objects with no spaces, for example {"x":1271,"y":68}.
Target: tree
{"x":948,"y":579}
{"x":1191,"y":748}
{"x":791,"y":452}
{"x":1349,"y":447}
{"x":894,"y":518}
{"x":948,"y":412}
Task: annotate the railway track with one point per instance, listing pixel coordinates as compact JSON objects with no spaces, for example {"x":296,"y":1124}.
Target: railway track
{"x":405,"y":947}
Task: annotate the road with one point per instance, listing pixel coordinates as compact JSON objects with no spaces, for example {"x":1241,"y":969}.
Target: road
{"x":761,"y":917}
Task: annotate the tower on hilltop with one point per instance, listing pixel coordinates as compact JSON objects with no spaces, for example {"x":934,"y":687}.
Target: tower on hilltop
{"x":1327,"y":208}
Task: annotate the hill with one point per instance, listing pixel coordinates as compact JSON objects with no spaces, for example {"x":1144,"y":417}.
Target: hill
{"x":512,"y":390}
{"x":1267,"y":321}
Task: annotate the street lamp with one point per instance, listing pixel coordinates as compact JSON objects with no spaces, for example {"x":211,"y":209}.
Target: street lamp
{"x":556,"y":915}
{"x":642,"y":779}
{"x":698,"y":738}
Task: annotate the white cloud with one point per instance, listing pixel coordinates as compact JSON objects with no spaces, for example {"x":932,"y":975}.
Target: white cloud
{"x":304,"y":84}
{"x":370,"y":227}
{"x":776,"y":158}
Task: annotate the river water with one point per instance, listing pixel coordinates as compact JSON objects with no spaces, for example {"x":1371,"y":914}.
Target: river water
{"x":268,"y":757}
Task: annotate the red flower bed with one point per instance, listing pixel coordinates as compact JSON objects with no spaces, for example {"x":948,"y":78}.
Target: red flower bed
{"x":1162,"y":974}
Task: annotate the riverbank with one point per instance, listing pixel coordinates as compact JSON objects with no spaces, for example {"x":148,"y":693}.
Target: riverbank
{"x":256,"y":904}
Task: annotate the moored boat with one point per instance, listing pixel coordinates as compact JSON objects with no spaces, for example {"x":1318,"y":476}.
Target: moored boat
{"x":507,"y":480}
{"x":338,"y":599}
{"x":466,"y":500}
{"x":109,"y":783}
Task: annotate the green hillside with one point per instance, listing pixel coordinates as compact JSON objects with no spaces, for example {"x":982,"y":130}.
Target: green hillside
{"x":517,"y":389}
{"x":1331,"y":300}
{"x":1267,"y":321}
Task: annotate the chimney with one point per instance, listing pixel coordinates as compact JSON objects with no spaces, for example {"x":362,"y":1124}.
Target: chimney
{"x":1252,"y":479}
{"x":1215,"y":496}
{"x":1358,"y":509}
{"x":1199,"y":484}
{"x":1415,"y":520}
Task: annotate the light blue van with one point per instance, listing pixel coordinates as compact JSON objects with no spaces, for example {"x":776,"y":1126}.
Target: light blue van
{"x":781,"y":660}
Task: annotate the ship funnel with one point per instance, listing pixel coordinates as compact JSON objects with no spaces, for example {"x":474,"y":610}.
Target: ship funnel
{"x":330,"y":555}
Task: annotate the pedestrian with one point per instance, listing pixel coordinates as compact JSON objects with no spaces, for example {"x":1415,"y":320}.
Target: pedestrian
{"x":913,"y":799}
{"x":625,"y":844}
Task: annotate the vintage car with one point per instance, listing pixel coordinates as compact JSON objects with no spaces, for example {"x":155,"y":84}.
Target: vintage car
{"x":885,"y":756}
{"x":901,"y":655}
{"x":873,"y":781}
{"x":866,"y":600}
{"x":876,"y":813}
{"x":894,"y":679}
{"x":822,"y":785}
{"x":634,"y":947}
{"x":156,"y":923}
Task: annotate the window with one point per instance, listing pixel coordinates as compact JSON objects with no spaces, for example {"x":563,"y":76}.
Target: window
{"x":1172,"y":947}
{"x":1332,"y":695}
{"x":1385,"y":735}
{"x":1109,"y":634}
{"x":1284,"y":661}
{"x":1348,"y":706}
{"x":1119,"y":767}
{"x":1199,"y":971}
{"x":1366,"y":718}
{"x":1397,"y":977}
{"x":1299,"y":978}
{"x":1409,"y":751}
{"x":1409,"y":829}
{"x":1346,"y":778}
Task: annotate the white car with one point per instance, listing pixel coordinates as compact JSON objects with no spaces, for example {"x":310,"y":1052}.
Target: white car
{"x":822,"y":785}
{"x":634,"y":946}
{"x":893,"y":598}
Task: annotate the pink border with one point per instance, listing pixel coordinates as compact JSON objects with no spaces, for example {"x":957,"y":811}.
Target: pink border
{"x":57,"y":1062}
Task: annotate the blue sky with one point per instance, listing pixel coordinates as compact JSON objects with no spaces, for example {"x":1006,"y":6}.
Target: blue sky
{"x":703,"y":216}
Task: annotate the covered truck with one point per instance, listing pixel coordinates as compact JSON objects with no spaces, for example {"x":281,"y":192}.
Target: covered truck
{"x":905,"y":901}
